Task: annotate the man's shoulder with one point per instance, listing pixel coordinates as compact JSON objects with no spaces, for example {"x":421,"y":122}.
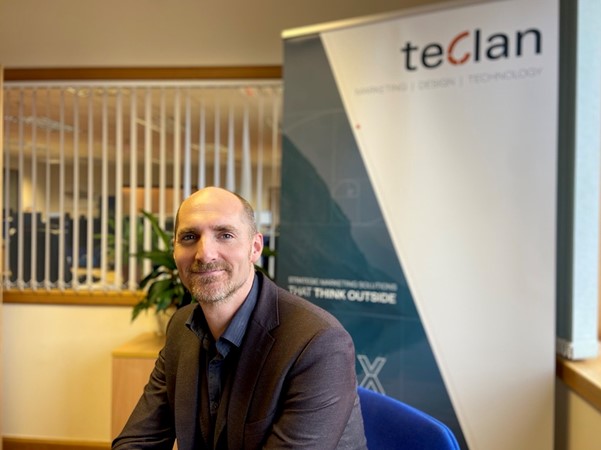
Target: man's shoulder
{"x":305,"y":326}
{"x":177,"y":324}
{"x":297,"y":310}
{"x":183,"y":314}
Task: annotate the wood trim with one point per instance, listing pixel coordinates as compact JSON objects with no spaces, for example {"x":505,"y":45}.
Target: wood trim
{"x":143,"y":73}
{"x":582,"y":377}
{"x":10,"y":443}
{"x":71,"y":297}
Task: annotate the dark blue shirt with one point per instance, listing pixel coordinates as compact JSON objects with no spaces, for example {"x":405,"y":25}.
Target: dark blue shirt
{"x":219,"y":356}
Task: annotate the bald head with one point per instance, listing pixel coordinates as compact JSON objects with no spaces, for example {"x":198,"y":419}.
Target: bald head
{"x":221,"y":196}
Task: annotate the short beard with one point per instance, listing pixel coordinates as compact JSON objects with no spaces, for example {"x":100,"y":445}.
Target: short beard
{"x":208,"y":295}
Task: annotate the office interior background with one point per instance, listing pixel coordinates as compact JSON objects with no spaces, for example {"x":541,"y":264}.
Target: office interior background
{"x":56,"y":358}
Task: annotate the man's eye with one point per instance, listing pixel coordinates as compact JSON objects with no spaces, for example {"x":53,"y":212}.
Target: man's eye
{"x":227,"y":236}
{"x":187,"y":237}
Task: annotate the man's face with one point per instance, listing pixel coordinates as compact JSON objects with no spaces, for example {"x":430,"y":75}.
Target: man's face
{"x":214,"y":250}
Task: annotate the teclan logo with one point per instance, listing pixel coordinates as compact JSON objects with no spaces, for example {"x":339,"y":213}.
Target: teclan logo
{"x":472,"y":47}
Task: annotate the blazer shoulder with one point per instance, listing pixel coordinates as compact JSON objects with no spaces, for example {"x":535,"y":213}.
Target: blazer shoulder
{"x":294,"y":311}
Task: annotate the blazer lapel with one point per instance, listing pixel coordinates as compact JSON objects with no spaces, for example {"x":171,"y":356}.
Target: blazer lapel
{"x":187,"y":406}
{"x":257,"y":344}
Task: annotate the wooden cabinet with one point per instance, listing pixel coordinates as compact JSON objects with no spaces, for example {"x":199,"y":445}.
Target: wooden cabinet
{"x":132,"y":364}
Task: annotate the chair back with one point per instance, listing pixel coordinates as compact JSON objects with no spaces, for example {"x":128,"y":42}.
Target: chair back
{"x":393,"y":425}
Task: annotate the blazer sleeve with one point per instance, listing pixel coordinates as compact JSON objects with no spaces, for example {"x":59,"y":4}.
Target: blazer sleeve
{"x":319,"y":396}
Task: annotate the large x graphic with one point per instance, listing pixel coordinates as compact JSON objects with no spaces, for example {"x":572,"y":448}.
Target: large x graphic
{"x":371,"y":380}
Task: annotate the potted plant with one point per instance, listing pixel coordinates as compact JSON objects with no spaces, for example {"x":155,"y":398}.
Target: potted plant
{"x":163,"y":288}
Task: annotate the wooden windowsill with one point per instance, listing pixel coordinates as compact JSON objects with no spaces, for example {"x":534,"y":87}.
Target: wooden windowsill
{"x":71,"y":297}
{"x":583,"y":377}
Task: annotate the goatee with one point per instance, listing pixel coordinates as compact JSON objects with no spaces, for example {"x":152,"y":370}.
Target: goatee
{"x":206,"y":287}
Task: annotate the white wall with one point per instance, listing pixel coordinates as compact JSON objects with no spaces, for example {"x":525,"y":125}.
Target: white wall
{"x":57,"y":368}
{"x":36,"y":33}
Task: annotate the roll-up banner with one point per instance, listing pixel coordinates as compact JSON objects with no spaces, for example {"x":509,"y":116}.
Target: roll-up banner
{"x":418,"y":206}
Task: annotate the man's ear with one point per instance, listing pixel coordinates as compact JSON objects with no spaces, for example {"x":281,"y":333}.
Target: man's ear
{"x":257,"y":247}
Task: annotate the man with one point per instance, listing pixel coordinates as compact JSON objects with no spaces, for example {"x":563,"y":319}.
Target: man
{"x":248,"y":365}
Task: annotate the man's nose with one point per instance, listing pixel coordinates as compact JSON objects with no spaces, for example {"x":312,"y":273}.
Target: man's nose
{"x":205,"y":249}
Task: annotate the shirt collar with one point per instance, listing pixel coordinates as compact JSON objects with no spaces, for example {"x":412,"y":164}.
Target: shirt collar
{"x":235,"y":331}
{"x":237,"y":327}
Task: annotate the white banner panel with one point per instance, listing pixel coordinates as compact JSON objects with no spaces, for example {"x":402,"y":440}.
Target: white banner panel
{"x":455,"y":116}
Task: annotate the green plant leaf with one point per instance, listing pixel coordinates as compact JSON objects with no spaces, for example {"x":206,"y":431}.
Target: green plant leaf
{"x":157,"y":272}
{"x":162,"y":284}
{"x":268,"y":252}
{"x":163,"y":235}
{"x":159,"y":257}
{"x":158,"y":288}
{"x":142,"y":305}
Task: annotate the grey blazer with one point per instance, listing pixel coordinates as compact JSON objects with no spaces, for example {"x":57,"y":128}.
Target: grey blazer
{"x":294,"y":386}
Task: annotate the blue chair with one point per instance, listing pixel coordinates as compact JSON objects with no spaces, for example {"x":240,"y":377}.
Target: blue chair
{"x":391,"y":425}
